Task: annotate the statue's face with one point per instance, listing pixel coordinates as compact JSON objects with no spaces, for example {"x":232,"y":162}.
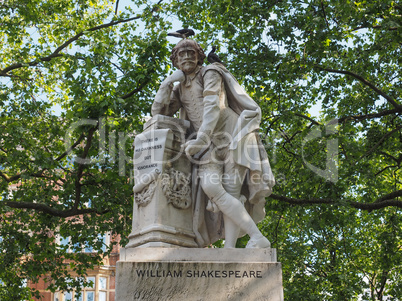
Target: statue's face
{"x":187,"y":58}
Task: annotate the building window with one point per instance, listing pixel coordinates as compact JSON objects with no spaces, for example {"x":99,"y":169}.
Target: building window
{"x":90,"y":296}
{"x":88,"y":248}
{"x":68,"y":296}
{"x":102,"y":288}
{"x":98,"y":291}
{"x":91,"y":290}
{"x":101,"y":238}
{"x":65,"y":242}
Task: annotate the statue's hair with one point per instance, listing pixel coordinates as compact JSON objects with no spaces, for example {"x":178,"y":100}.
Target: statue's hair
{"x":188,"y":43}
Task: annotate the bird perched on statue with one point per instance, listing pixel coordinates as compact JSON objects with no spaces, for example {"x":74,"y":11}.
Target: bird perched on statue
{"x":213,"y":57}
{"x":182,"y":33}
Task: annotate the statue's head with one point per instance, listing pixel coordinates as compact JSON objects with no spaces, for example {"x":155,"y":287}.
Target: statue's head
{"x":187,"y":55}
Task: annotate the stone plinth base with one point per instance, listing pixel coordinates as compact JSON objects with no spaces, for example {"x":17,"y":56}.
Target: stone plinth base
{"x":198,"y":274}
{"x":162,"y":212}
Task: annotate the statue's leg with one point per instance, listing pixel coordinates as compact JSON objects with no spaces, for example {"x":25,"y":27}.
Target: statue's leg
{"x":232,"y":180}
{"x":232,"y":231}
{"x":231,"y":207}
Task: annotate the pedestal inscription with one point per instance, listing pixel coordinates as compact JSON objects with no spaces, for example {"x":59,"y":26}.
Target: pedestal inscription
{"x":148,"y":163}
{"x":207,"y":274}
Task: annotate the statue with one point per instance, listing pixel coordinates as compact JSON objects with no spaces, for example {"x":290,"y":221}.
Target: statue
{"x":231,"y":174}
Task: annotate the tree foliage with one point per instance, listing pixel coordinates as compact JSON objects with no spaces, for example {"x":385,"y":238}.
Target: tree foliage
{"x":326,"y":74}
{"x":76,"y":80}
{"x":334,"y":215}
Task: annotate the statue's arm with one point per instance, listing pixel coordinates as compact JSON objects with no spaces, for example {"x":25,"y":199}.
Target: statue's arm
{"x":166,"y":101}
{"x":211,"y":93}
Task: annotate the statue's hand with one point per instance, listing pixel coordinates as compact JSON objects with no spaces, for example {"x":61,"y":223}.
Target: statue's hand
{"x":193,"y":147}
{"x":177,"y":76}
{"x":162,"y":97}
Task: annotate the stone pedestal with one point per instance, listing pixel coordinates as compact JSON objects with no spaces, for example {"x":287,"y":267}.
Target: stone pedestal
{"x":161,"y":260}
{"x":198,"y":274}
{"x":162,"y":214}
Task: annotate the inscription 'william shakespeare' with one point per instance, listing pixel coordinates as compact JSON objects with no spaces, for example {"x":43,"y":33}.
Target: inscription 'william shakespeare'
{"x":198,"y":274}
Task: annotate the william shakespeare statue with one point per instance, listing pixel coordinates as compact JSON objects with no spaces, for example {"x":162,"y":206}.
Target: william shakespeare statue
{"x":231,"y":175}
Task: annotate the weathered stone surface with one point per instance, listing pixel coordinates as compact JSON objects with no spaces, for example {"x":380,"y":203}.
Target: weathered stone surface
{"x":218,"y":274}
{"x":162,"y":214}
{"x":200,"y":254}
{"x":178,"y":126}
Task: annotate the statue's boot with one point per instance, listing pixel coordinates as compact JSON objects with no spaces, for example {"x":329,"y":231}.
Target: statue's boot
{"x":234,"y":209}
{"x":232,"y":230}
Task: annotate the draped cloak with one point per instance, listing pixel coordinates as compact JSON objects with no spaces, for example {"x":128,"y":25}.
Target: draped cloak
{"x":248,"y":151}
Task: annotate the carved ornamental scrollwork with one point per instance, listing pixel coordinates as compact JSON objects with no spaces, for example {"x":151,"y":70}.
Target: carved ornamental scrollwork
{"x":176,"y":187}
{"x":144,"y":197}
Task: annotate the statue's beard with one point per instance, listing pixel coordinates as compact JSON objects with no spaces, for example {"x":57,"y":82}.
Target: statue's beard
{"x":188,"y":67}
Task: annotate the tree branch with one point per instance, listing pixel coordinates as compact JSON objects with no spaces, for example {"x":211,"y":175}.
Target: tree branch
{"x":366,"y":82}
{"x":9,"y":179}
{"x":397,"y":160}
{"x":49,"y":210}
{"x":384,"y":169}
{"x":56,"y":53}
{"x":379,"y":142}
{"x":383,"y":281}
{"x":325,"y":15}
{"x":81,"y":167}
{"x":373,"y":27}
{"x":383,"y":202}
{"x":272,"y":123}
{"x":52,"y":211}
{"x":117,"y":7}
{"x":71,"y":148}
{"x":136,"y":90}
{"x":118,"y":67}
{"x":367,"y":116}
{"x":390,"y":196}
{"x":308,"y":118}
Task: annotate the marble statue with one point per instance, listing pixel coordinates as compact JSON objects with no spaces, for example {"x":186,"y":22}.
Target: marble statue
{"x":231,"y":175}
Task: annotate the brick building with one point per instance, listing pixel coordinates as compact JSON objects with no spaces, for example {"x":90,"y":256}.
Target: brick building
{"x":103,"y":278}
